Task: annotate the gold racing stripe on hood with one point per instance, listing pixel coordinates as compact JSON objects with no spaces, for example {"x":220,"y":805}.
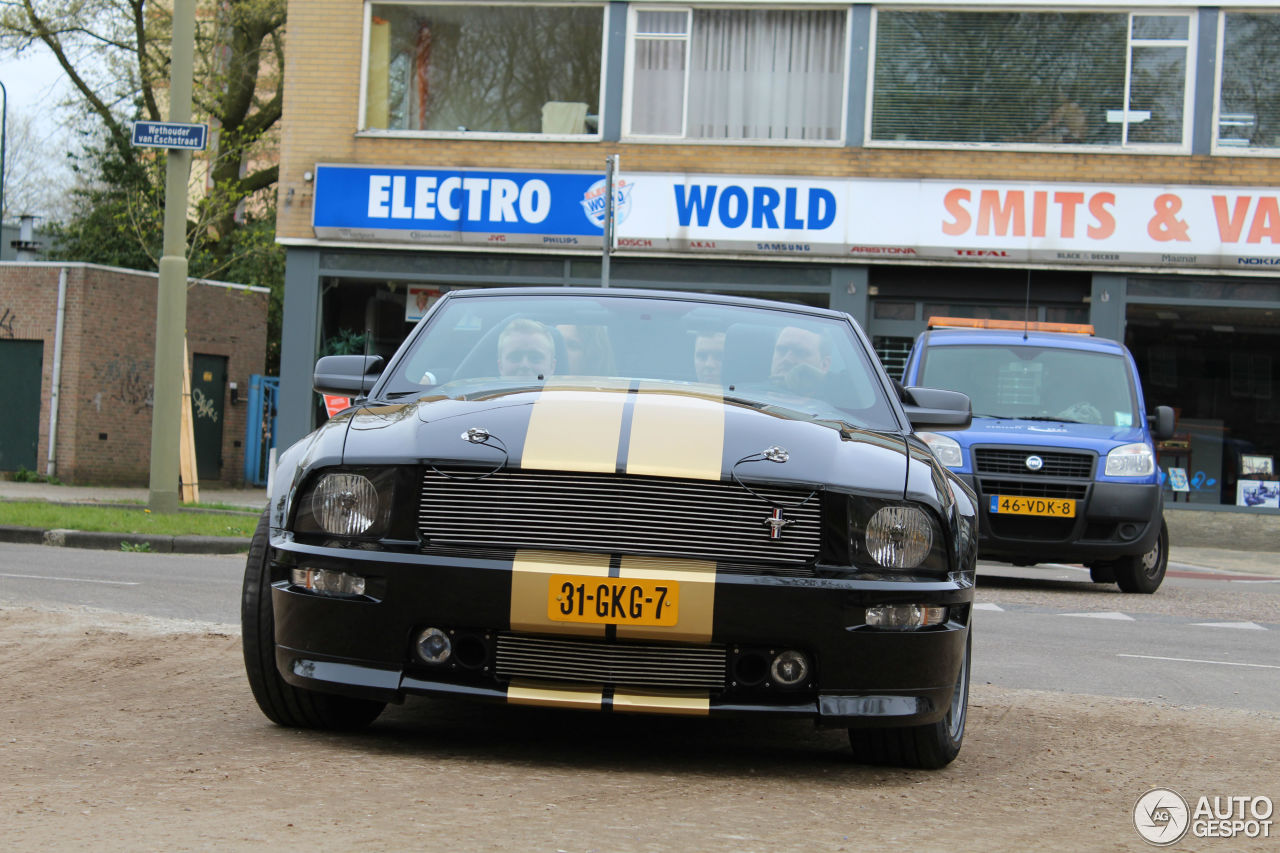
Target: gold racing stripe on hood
{"x":654,"y":701}
{"x":582,"y":696}
{"x":676,"y":435}
{"x":697,"y":579}
{"x":574,"y":431}
{"x":530,"y":585}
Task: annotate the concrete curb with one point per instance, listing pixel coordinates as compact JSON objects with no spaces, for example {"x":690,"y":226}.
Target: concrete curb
{"x":158,"y":544}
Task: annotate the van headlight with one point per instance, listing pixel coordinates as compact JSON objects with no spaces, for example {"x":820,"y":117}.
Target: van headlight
{"x":1131,"y":460}
{"x":354,"y":503}
{"x":946,"y":448}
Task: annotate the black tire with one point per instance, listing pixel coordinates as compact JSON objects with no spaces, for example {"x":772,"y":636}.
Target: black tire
{"x":283,"y":703}
{"x":1144,"y":572}
{"x":927,"y":747}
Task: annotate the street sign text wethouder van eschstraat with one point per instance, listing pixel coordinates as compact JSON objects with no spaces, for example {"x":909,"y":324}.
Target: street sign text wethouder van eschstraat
{"x":169,"y":134}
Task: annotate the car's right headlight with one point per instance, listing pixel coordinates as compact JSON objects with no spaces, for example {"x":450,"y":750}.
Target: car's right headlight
{"x":946,"y":448}
{"x":348,"y":503}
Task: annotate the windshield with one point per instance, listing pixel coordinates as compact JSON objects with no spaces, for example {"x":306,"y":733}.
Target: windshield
{"x":793,"y":364}
{"x":1036,"y":382}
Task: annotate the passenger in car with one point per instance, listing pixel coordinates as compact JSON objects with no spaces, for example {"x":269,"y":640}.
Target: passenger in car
{"x":801,"y":359}
{"x":526,"y":348}
{"x":588,"y":349}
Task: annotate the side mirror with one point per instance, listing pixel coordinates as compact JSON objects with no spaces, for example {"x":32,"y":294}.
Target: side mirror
{"x":1162,"y":423}
{"x":936,"y":409}
{"x":346,"y":374}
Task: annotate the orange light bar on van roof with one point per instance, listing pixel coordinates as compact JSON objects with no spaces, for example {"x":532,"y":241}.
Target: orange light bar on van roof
{"x":1016,"y":325}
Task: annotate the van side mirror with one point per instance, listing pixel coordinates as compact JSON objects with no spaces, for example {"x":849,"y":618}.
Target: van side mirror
{"x":936,"y":409}
{"x":346,"y":374}
{"x":1162,"y":423}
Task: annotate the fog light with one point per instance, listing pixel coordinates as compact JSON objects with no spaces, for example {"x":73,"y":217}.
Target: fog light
{"x":789,"y":668}
{"x":434,"y":646}
{"x":905,"y":617}
{"x":327,"y":581}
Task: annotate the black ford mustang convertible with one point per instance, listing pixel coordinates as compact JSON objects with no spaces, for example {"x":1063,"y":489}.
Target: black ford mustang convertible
{"x":623,"y":501}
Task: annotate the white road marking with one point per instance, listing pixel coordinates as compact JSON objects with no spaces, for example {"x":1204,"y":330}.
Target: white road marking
{"x":1252,"y":626}
{"x":987,"y":605}
{"x":1196,"y":660}
{"x":1118,"y":617}
{"x":71,"y":580}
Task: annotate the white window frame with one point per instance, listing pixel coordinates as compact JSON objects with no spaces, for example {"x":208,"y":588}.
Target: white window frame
{"x":383,"y":133}
{"x":628,"y":86}
{"x":1217,"y":148}
{"x":1166,"y":148}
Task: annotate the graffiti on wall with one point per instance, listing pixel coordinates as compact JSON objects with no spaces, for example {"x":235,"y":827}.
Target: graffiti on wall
{"x":7,"y":319}
{"x":204,"y":405}
{"x":127,"y":380}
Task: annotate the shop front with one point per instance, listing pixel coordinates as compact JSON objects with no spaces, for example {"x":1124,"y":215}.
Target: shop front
{"x":1181,"y":274}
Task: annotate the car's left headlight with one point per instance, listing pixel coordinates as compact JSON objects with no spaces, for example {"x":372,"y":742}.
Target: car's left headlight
{"x":1131,"y":460}
{"x":897,"y":537}
{"x":946,"y":448}
{"x":347,"y":502}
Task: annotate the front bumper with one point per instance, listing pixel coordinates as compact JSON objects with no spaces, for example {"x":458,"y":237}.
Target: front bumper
{"x":860,"y":674}
{"x":1112,"y":520}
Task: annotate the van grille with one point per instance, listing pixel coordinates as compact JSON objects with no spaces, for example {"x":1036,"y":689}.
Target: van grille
{"x":990,"y":460}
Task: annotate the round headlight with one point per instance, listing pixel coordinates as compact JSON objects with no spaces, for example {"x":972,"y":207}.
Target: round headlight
{"x":345,"y":504}
{"x":899,"y":537}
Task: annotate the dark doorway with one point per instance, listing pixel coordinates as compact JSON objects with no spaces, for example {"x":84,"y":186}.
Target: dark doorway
{"x":208,"y":395}
{"x":20,"y":390}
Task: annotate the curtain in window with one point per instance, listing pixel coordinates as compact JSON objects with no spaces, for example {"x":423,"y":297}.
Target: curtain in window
{"x":751,"y":74}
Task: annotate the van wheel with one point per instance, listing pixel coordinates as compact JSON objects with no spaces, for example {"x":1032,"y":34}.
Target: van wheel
{"x":927,"y":747}
{"x":283,"y":703}
{"x":1144,"y":572}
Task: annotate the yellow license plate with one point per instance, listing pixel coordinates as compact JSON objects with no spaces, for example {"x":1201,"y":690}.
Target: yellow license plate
{"x":613,"y":601}
{"x":1048,"y":507}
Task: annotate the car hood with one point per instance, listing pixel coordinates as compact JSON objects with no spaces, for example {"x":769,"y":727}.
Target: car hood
{"x":657,"y":432}
{"x":1100,"y":439}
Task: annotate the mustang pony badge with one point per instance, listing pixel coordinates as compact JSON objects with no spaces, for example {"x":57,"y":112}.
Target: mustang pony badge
{"x":777,"y":523}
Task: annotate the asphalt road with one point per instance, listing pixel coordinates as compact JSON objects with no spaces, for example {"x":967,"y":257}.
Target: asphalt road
{"x":1205,"y":638}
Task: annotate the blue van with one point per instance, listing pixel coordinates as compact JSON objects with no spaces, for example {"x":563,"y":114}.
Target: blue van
{"x":1061,"y":451}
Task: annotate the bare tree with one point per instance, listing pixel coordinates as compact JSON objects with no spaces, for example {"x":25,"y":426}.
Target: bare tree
{"x":37,"y":179}
{"x":115,"y":54}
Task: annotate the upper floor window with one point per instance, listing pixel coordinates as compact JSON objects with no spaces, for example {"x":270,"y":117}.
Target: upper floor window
{"x":736,"y":74}
{"x":1249,"y":92}
{"x":1032,"y":78}
{"x":483,"y":68}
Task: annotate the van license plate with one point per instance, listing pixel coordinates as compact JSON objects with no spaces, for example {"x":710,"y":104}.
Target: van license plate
{"x":1048,"y":507}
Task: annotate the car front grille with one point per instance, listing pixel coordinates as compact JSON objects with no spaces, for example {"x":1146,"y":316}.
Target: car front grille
{"x":614,"y":514}
{"x":598,"y":662}
{"x":990,"y":460}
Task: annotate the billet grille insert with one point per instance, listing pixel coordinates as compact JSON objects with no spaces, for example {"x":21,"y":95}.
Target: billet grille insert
{"x":623,"y":664}
{"x":1010,"y":461}
{"x":615,"y":514}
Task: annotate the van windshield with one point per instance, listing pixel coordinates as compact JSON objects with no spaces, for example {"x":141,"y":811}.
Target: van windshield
{"x":1036,"y":383}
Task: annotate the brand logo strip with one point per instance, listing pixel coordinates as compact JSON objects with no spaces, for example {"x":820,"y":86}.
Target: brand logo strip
{"x":697,"y":579}
{"x":530,"y":573}
{"x":692,"y":702}
{"x":582,"y":697}
{"x":574,"y":431}
{"x":675,"y":435}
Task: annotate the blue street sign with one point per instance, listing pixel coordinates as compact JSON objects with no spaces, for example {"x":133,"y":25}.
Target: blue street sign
{"x":169,"y":134}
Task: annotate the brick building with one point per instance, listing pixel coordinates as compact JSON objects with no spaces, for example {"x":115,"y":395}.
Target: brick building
{"x":1105,"y":163}
{"x":104,"y":388}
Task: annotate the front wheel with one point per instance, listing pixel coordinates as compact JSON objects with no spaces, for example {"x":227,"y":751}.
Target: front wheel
{"x":1144,"y":572}
{"x":927,"y":747}
{"x":283,"y":703}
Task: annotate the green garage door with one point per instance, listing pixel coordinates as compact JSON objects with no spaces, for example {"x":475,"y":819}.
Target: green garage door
{"x":20,"y":393}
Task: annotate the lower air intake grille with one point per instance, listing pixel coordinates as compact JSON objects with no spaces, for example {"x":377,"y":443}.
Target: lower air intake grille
{"x":598,"y":662}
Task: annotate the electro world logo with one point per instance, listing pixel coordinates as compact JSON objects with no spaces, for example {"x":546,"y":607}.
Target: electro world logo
{"x":594,"y":201}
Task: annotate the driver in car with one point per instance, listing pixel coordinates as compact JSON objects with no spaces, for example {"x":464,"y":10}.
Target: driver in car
{"x":801,"y":359}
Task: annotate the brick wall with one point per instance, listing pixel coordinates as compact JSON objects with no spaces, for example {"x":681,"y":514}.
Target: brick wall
{"x":322,"y":96}
{"x":104,"y":413}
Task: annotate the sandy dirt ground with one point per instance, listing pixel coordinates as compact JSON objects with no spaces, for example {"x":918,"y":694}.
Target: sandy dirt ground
{"x":129,"y":733}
